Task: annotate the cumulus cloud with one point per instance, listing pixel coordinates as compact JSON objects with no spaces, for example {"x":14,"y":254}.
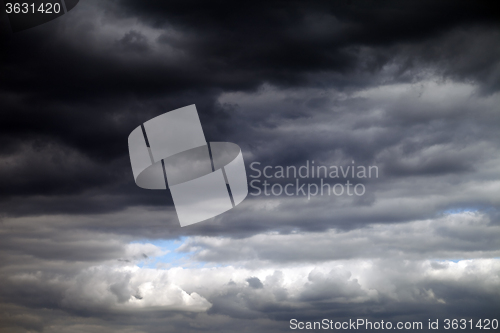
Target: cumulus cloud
{"x":411,"y":89}
{"x":302,"y":291}
{"x":126,"y":289}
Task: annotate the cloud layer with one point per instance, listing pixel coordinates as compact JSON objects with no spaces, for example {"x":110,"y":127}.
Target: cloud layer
{"x":411,"y":88}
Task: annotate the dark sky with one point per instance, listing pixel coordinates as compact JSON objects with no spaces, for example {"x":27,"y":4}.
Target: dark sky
{"x":412,"y":87}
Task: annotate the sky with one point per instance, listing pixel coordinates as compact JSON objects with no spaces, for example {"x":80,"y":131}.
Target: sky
{"x":411,"y":88}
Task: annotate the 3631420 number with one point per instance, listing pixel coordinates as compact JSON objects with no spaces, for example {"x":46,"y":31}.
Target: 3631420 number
{"x":462,"y":324}
{"x":26,"y":8}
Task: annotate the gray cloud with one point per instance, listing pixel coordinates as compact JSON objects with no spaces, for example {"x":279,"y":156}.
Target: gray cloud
{"x":412,"y":89}
{"x":456,"y":236}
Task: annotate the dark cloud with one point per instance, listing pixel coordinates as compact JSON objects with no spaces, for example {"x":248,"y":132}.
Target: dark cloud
{"x":254,"y":282}
{"x":410,"y":87}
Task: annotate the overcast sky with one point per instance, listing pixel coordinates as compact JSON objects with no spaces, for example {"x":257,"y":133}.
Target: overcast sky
{"x":411,"y":87}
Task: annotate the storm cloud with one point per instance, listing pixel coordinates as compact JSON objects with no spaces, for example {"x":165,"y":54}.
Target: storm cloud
{"x":409,"y":87}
